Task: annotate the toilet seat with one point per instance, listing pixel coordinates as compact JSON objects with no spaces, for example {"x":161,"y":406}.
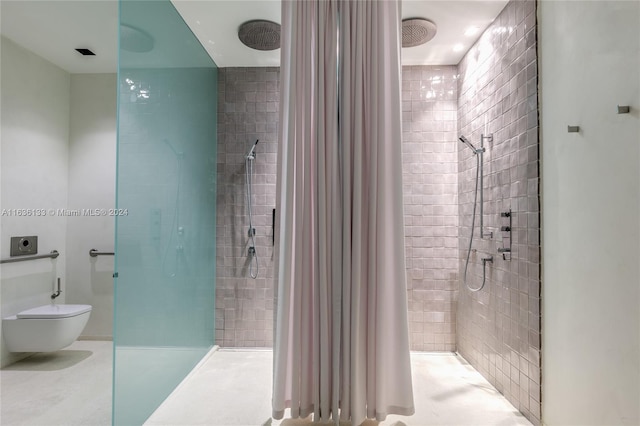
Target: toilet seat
{"x":54,"y":311}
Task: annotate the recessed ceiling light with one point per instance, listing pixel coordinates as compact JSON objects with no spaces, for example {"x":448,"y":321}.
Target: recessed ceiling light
{"x":471,"y":31}
{"x":458,"y":47}
{"x":85,"y":52}
{"x":134,"y":39}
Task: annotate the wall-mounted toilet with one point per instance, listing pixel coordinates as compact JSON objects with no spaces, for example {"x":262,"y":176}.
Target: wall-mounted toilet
{"x":46,"y":328}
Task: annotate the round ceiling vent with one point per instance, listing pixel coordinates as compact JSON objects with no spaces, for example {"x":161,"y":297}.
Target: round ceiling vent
{"x":260,"y":34}
{"x":417,"y":31}
{"x":133,"y":39}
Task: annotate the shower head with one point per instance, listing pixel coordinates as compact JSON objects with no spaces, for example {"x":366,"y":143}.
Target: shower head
{"x":260,"y":34}
{"x":469,"y":144}
{"x":252,"y":155}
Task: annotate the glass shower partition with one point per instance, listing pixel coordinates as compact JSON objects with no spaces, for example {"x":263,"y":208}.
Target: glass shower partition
{"x":166,"y":195}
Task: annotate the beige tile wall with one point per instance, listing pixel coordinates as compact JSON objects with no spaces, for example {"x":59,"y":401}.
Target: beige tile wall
{"x":248,"y":111}
{"x":498,"y":328}
{"x":430,"y":166}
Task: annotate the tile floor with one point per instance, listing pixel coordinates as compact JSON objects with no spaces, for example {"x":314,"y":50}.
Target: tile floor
{"x":230,"y":388}
{"x":71,"y":387}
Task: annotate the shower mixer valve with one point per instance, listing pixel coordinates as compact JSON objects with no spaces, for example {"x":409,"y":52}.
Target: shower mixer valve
{"x":505,"y":250}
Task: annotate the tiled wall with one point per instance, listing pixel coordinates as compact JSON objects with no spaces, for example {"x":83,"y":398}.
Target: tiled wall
{"x":430,"y":166}
{"x":248,"y":105}
{"x":247,"y":110}
{"x":498,"y":328}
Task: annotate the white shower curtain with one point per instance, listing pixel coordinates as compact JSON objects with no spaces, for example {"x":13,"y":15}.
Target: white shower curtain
{"x":341,"y":339}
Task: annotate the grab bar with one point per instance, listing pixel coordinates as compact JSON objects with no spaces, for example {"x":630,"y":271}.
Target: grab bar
{"x":96,"y":253}
{"x":53,"y":254}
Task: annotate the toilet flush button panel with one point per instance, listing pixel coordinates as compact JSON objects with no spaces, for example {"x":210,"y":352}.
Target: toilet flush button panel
{"x":21,"y":246}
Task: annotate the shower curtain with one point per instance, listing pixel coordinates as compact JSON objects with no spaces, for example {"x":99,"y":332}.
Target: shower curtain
{"x":341,"y":346}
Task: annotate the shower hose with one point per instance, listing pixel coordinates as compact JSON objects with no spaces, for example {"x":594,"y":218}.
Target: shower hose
{"x":253,"y":255}
{"x":473,"y":223}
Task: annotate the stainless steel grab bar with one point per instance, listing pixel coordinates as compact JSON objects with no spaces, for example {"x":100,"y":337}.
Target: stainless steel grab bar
{"x":96,"y":253}
{"x":53,"y":254}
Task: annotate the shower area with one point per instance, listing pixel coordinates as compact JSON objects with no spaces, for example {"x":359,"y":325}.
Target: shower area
{"x":490,"y":100}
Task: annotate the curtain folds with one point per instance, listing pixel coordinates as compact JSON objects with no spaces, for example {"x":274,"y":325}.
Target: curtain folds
{"x":341,"y":340}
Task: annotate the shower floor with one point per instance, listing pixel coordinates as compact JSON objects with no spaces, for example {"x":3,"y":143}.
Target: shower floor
{"x":229,"y":388}
{"x":233,"y":387}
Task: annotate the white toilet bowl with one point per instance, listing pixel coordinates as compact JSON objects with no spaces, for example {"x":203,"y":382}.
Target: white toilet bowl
{"x":46,"y":328}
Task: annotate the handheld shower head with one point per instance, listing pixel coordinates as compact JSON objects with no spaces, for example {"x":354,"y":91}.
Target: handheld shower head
{"x":469,"y":144}
{"x":252,"y":155}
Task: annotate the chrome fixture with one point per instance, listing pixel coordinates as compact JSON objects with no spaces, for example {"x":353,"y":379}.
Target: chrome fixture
{"x":506,"y":249}
{"x":573,"y":129}
{"x":623,"y":109}
{"x":252,"y":152}
{"x":53,"y":254}
{"x":96,"y":253}
{"x":478,"y":152}
{"x":252,"y":253}
{"x":470,"y":145}
{"x":57,"y":293}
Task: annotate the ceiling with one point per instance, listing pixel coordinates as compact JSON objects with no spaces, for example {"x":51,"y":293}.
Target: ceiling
{"x":54,"y":28}
{"x":216,"y":23}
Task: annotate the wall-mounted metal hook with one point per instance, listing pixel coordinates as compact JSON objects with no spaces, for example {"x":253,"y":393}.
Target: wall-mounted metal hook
{"x":623,"y":109}
{"x":573,"y":129}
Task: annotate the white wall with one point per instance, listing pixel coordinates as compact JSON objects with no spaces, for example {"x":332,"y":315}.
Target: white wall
{"x":34,"y":146}
{"x":92,"y":170}
{"x":58,"y":152}
{"x":589,"y":58}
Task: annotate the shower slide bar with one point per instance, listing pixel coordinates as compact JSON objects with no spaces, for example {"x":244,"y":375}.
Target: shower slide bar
{"x":53,"y":254}
{"x":96,"y":253}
